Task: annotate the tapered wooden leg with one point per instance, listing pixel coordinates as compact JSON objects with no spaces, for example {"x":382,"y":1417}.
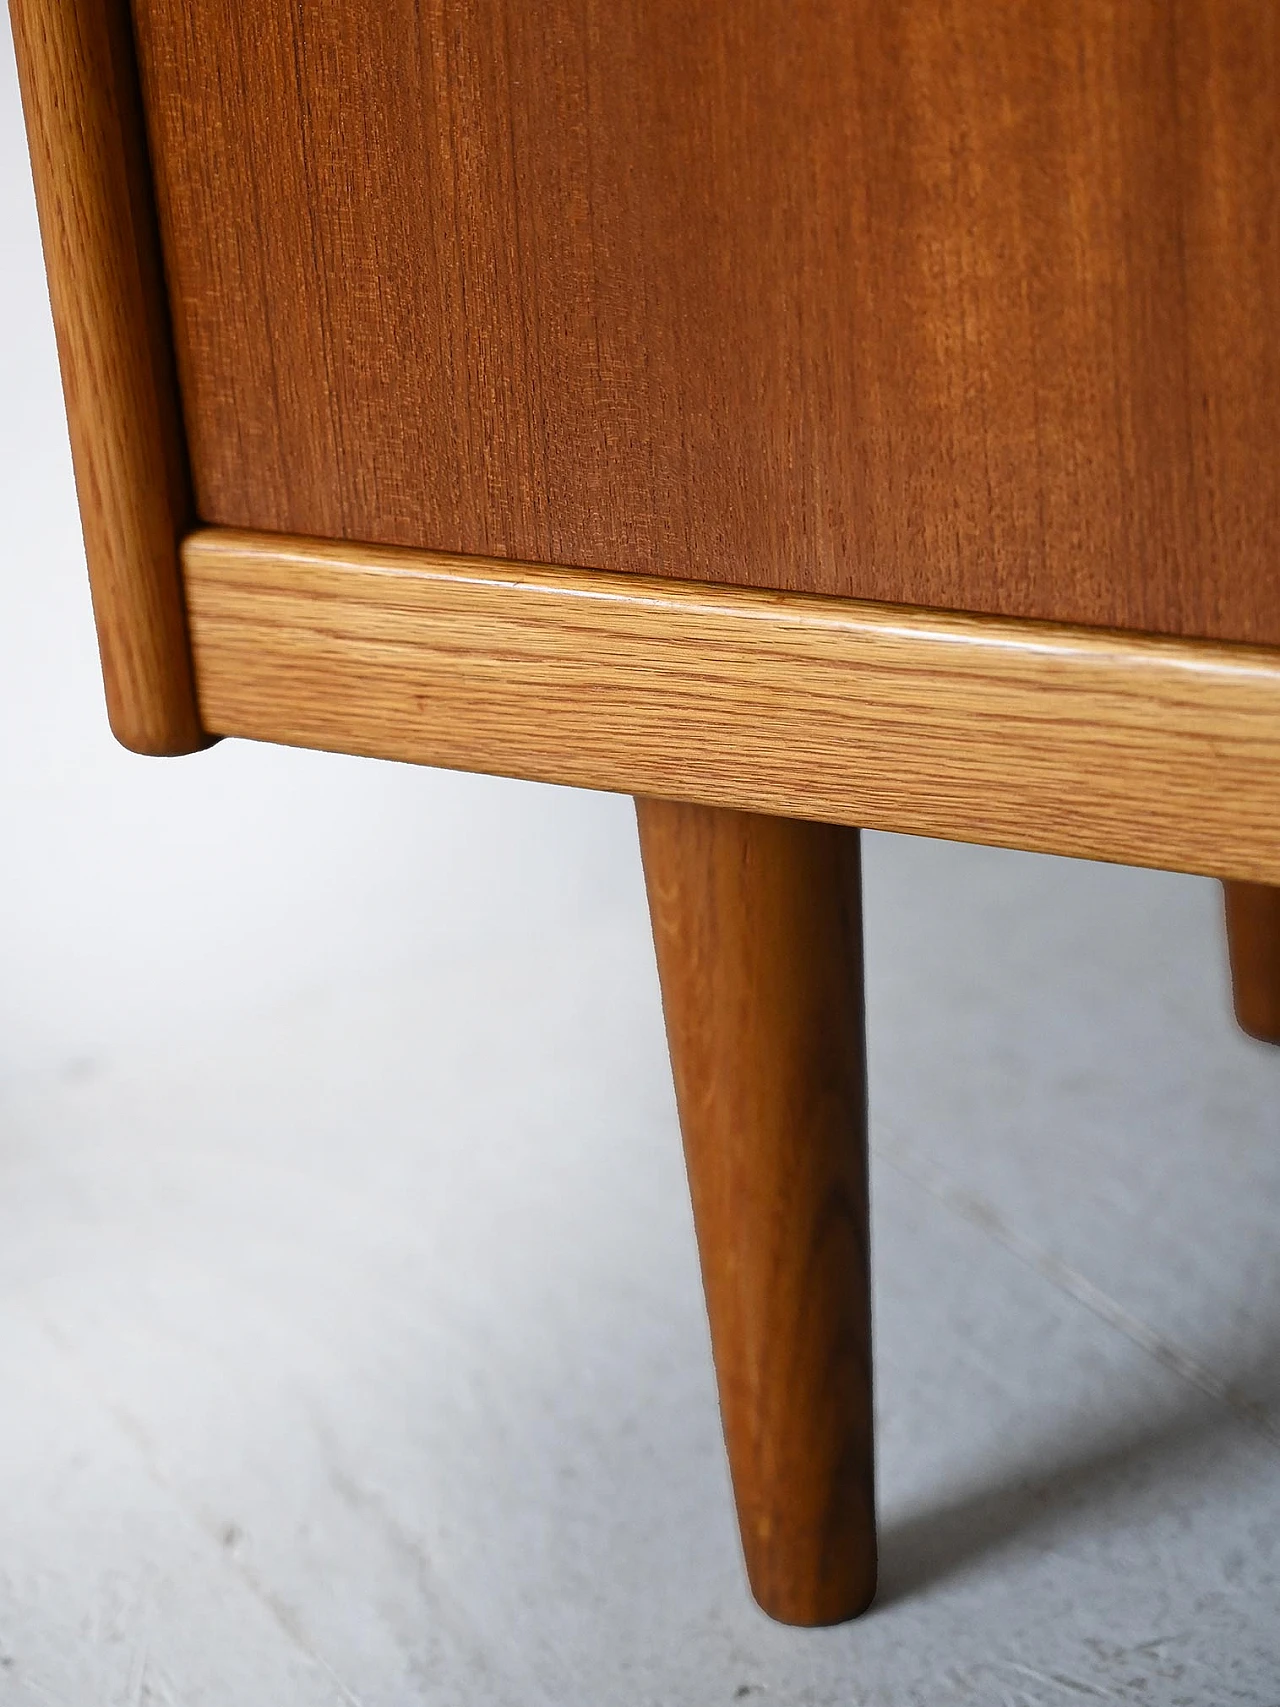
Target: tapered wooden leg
{"x":1253,"y":938}
{"x":757,"y":925}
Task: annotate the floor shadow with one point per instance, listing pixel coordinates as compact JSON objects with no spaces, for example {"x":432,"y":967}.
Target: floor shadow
{"x":1045,"y":1494}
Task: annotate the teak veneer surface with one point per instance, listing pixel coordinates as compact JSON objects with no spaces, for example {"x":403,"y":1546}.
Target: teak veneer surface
{"x":1110,"y":746}
{"x":961,"y":305}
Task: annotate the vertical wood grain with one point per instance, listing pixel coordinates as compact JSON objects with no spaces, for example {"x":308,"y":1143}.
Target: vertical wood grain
{"x":757,"y":927}
{"x":946,"y":303}
{"x":97,"y":222}
{"x":1253,"y":940}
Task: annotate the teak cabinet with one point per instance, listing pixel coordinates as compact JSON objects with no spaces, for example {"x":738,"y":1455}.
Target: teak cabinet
{"x":800,"y":414}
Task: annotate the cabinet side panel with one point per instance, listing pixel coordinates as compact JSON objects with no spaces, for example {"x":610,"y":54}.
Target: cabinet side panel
{"x":963,"y":305}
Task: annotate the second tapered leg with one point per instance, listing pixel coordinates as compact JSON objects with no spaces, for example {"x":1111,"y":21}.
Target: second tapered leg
{"x":1253,"y":938}
{"x":757,"y":925}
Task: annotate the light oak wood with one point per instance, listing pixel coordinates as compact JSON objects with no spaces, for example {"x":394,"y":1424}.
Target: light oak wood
{"x":1118,"y":747}
{"x":93,"y":191}
{"x":1253,"y":939}
{"x":953,"y":303}
{"x":757,"y":928}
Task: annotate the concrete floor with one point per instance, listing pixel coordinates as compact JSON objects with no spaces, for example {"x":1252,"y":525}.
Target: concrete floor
{"x":355,"y":1352}
{"x":350,"y":1333}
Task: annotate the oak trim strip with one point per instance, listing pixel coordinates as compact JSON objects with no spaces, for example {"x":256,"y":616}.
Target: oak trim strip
{"x":1074,"y":741}
{"x":97,"y":221}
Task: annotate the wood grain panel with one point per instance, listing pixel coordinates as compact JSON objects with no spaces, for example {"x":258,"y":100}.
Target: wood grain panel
{"x":963,"y":305}
{"x":97,"y":222}
{"x":1156,"y":752}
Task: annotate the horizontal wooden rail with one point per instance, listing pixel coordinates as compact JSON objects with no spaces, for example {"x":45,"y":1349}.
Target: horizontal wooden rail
{"x":1064,"y":740}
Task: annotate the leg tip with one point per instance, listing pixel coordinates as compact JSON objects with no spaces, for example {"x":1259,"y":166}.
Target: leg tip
{"x":817,"y":1606}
